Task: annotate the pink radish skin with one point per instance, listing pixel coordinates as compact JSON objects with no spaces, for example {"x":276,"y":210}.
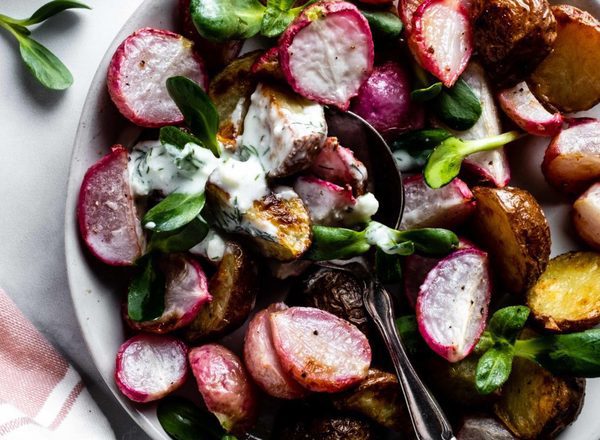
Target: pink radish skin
{"x":327,"y":203}
{"x":525,"y":110}
{"x":572,"y":160}
{"x":107,"y":217}
{"x":338,"y":165}
{"x":445,"y":207}
{"x":453,"y":301}
{"x":407,"y":9}
{"x":416,"y":268}
{"x":384,"y":101}
{"x":261,"y":358}
{"x":441,"y":38}
{"x":225,"y":386}
{"x":586,"y":216}
{"x":138,"y":72}
{"x":150,"y":366}
{"x":327,"y":53}
{"x":185,"y":294}
{"x":321,"y":351}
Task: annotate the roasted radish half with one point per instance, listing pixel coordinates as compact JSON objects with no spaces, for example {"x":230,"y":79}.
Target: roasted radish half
{"x":107,"y":217}
{"x":138,"y":72}
{"x":262,"y":361}
{"x":441,"y":38}
{"x":444,"y":207}
{"x":186,"y":290}
{"x":225,"y":386}
{"x":321,"y":351}
{"x":150,"y":366}
{"x":572,"y":160}
{"x":327,"y":52}
{"x":586,"y":216}
{"x":525,"y":110}
{"x":453,"y":304}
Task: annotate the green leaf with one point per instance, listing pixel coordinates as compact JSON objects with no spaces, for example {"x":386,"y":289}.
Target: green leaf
{"x":420,"y":139}
{"x":275,"y":21}
{"x":145,"y":297}
{"x":493,"y":368}
{"x":458,"y":107}
{"x":383,"y":24}
{"x":173,"y":212}
{"x":221,"y":20}
{"x":330,"y":243}
{"x":44,"y":65}
{"x":198,"y":110}
{"x":432,"y":241}
{"x":508,"y":322}
{"x":183,"y":420}
{"x":177,"y":136}
{"x":426,"y":93}
{"x":181,"y":239}
{"x":485,"y":343}
{"x":388,"y":267}
{"x":51,"y":9}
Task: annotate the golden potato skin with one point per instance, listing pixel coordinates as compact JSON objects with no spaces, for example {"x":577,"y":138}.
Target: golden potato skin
{"x":511,"y":226}
{"x":233,"y":289}
{"x":566,"y":297}
{"x":512,"y":37}
{"x":379,"y":398}
{"x":227,"y":88}
{"x":534,"y":404}
{"x":569,"y":78}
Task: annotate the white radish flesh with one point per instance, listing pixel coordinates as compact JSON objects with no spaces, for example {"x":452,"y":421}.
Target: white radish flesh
{"x":452,"y":305}
{"x":138,"y":72}
{"x":327,"y":53}
{"x":106,"y":213}
{"x":327,"y":203}
{"x":586,"y":216}
{"x":150,"y":366}
{"x":262,"y":361}
{"x":321,"y":351}
{"x":337,"y":164}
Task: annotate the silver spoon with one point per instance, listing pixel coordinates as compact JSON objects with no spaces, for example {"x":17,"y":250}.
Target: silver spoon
{"x":428,"y":419}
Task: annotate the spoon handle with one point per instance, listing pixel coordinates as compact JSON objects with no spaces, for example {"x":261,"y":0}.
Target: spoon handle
{"x":427,"y":417}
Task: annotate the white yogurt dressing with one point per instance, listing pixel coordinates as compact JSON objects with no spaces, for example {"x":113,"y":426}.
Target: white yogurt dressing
{"x":381,"y":236}
{"x":211,"y":248}
{"x":366,"y":207}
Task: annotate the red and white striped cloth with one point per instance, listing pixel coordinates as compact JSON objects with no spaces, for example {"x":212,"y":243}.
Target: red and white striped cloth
{"x":41,"y":395}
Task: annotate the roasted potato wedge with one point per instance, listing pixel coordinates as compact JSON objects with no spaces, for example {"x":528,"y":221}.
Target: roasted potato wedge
{"x":230,"y":91}
{"x":379,"y":398}
{"x":511,"y":226}
{"x":233,"y":289}
{"x":537,"y":405}
{"x":512,"y":37}
{"x":569,"y":78}
{"x":566,"y":297}
{"x":279,"y":226}
{"x":483,"y":427}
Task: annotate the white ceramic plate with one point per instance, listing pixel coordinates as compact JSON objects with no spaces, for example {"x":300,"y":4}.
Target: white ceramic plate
{"x":96,"y":290}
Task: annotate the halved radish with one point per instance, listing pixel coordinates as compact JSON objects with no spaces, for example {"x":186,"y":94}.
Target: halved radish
{"x":572,"y":160}
{"x":185,"y":292}
{"x":327,"y":53}
{"x":138,"y":72}
{"x":150,"y":366}
{"x":525,"y":110}
{"x":440,"y":208}
{"x":586,"y":216}
{"x":407,"y":9}
{"x":453,"y":301}
{"x":321,"y":351}
{"x":262,"y":361}
{"x":225,"y":386}
{"x":327,"y":203}
{"x":106,"y":213}
{"x":415,"y":270}
{"x":441,"y":38}
{"x":338,"y":165}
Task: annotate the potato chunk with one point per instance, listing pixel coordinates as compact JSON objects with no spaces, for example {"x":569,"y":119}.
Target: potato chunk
{"x":567,"y":295}
{"x":569,"y":78}
{"x":512,"y":37}
{"x":537,"y":405}
{"x":511,"y":226}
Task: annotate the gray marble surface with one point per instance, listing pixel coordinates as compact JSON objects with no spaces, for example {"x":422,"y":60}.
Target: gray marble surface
{"x":37,"y":128}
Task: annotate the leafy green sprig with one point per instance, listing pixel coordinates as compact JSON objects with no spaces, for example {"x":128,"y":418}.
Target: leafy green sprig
{"x":40,"y":61}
